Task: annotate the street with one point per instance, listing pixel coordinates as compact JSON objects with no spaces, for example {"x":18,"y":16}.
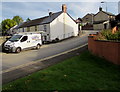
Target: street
{"x":10,"y":60}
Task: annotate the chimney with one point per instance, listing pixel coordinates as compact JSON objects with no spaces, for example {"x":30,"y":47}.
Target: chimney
{"x":100,"y":8}
{"x":50,"y":14}
{"x":64,"y":8}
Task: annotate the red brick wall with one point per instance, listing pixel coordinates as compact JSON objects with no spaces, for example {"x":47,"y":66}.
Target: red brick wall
{"x":106,"y":49}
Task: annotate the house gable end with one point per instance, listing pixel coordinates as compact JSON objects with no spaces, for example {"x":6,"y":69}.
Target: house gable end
{"x":71,"y":18}
{"x":101,"y":16}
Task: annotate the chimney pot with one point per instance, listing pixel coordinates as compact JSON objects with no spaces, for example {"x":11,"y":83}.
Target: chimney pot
{"x":64,"y":8}
{"x":100,"y":8}
{"x":50,"y":13}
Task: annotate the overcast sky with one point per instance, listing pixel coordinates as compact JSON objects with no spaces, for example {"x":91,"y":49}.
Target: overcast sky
{"x":35,"y":10}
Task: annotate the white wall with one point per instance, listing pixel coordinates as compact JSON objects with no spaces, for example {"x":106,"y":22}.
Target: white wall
{"x":63,"y":27}
{"x":56,"y":28}
{"x":71,"y":26}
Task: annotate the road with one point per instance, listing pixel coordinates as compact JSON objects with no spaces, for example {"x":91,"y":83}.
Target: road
{"x":10,"y":60}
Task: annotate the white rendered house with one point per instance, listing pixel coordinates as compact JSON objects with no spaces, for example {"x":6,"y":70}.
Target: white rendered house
{"x":59,"y":25}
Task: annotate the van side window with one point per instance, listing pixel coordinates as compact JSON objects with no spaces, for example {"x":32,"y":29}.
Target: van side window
{"x":24,"y":38}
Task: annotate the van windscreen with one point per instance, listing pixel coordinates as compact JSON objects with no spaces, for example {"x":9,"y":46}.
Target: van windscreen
{"x":15,"y":38}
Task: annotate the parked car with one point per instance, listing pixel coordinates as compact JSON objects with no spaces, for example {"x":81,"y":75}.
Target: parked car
{"x":23,"y":41}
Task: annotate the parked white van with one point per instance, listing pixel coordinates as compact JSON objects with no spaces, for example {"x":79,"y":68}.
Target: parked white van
{"x":21,"y":41}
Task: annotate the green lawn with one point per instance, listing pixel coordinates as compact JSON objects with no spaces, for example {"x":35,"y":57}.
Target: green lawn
{"x":83,"y":72}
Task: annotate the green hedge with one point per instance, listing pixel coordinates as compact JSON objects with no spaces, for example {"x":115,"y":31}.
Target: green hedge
{"x":108,"y":35}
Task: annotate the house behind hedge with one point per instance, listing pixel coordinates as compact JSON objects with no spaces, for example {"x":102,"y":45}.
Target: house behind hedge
{"x":102,"y":20}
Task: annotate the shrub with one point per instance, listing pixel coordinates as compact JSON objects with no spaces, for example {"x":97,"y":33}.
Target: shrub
{"x":100,"y":37}
{"x":107,"y":35}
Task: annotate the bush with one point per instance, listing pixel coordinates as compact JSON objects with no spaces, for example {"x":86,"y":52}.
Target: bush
{"x":100,"y":37}
{"x":108,"y":35}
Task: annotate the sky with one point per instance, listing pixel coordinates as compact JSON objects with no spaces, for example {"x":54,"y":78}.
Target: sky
{"x":36,"y":9}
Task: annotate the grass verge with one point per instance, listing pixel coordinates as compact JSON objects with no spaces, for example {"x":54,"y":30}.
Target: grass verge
{"x":82,"y":72}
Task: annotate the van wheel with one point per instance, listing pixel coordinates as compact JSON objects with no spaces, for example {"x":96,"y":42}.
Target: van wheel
{"x":18,"y":50}
{"x":38,"y":46}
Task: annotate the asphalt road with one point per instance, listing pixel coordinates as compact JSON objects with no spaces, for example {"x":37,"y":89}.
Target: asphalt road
{"x":10,"y":60}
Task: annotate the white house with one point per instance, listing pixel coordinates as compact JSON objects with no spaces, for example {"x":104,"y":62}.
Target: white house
{"x":59,"y":25}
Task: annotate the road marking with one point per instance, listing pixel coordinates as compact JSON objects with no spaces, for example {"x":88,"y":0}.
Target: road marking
{"x":39,"y":60}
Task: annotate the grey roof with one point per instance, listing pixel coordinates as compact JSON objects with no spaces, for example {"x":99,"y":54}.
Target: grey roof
{"x":40,"y":21}
{"x":88,"y":14}
{"x":108,"y":13}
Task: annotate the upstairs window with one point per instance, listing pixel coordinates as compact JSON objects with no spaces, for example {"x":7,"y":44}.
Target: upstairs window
{"x":36,"y":28}
{"x":28,"y":29}
{"x":45,"y":28}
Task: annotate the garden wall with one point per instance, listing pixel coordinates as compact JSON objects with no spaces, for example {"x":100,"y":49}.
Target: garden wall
{"x":106,"y":49}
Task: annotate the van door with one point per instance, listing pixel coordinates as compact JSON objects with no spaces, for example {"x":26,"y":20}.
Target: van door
{"x":35,"y":39}
{"x":24,"y":42}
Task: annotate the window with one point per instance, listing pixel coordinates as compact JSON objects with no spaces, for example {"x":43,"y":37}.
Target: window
{"x":15,"y":38}
{"x":45,"y":28}
{"x":35,"y":28}
{"x":28,"y":29}
{"x":23,"y":29}
{"x":24,"y":38}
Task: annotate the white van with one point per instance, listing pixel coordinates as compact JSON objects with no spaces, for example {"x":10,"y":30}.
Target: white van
{"x":23,"y":41}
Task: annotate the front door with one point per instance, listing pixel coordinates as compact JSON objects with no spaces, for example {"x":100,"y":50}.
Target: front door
{"x":105,"y":26}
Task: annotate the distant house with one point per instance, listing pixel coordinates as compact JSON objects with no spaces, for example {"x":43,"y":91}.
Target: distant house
{"x":59,"y":25}
{"x":102,"y":20}
{"x":87,"y":21}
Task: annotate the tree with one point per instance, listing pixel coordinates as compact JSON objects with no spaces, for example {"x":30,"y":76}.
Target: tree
{"x":18,"y":19}
{"x":6,"y":25}
{"x":0,"y":29}
{"x":117,"y":17}
{"x":28,"y":19}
